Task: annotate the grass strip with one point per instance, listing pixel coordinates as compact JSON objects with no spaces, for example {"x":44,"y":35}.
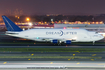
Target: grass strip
{"x":68,"y":57}
{"x":52,"y":49}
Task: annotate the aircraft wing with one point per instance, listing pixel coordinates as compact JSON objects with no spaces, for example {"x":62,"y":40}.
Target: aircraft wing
{"x":59,"y":40}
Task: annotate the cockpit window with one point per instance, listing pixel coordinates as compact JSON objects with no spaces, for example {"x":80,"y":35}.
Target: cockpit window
{"x":96,"y":32}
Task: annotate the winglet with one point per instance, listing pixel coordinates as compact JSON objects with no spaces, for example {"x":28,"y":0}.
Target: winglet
{"x":10,"y":25}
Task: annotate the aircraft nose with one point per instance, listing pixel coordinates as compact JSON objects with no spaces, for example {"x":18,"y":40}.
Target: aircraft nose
{"x":101,"y":36}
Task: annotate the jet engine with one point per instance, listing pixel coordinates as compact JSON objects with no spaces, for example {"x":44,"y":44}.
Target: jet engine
{"x":54,"y":41}
{"x":67,"y":42}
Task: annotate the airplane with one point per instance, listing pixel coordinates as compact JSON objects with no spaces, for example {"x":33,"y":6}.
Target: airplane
{"x":55,"y":36}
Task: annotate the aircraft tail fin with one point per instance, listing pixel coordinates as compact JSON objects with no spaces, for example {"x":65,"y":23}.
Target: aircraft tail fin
{"x":10,"y":25}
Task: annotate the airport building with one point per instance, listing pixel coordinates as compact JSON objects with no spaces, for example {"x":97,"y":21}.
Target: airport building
{"x":54,"y":24}
{"x":91,"y":26}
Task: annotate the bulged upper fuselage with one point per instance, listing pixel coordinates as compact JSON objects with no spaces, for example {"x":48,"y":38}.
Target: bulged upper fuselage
{"x":75,"y":35}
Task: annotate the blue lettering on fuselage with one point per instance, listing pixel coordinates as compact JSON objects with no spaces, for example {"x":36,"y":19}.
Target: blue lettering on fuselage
{"x":61,"y":33}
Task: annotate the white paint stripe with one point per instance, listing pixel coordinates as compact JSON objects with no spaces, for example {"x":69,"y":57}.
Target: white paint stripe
{"x":8,"y":23}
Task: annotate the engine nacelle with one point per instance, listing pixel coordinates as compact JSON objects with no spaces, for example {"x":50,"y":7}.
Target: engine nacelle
{"x":54,"y":41}
{"x":68,"y":42}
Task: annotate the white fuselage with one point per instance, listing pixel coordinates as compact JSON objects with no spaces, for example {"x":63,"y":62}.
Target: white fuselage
{"x":75,"y":35}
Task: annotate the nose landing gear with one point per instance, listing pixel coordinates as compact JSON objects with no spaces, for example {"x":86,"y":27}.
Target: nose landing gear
{"x":93,"y":42}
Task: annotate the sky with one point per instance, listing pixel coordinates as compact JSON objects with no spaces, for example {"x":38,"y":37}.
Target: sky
{"x":40,"y":7}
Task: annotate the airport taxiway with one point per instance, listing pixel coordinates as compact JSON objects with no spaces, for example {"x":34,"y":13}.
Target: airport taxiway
{"x":52,"y":56}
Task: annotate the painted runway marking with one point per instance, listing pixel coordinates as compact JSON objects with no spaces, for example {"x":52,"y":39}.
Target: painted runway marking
{"x":51,"y":63}
{"x":94,"y":55}
{"x":29,"y":59}
{"x":32,"y":54}
{"x":68,"y":59}
{"x":4,"y":62}
{"x":92,"y":59}
{"x":78,"y":63}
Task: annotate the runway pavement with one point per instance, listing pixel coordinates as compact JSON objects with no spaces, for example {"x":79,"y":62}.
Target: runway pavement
{"x":65,"y":65}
